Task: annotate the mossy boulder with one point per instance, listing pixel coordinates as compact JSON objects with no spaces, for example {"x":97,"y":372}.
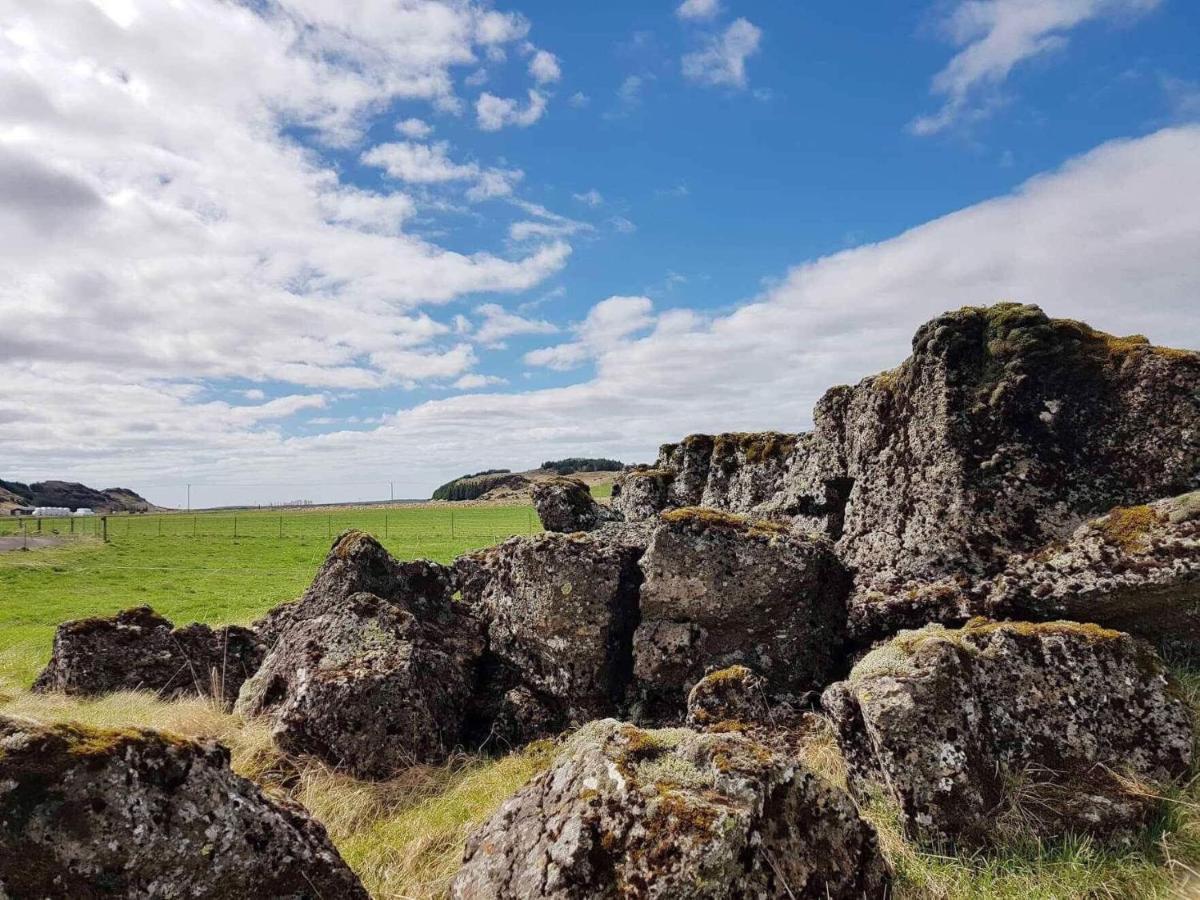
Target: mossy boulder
{"x":1013,"y":730}
{"x":733,"y":698}
{"x":627,"y":812}
{"x":566,"y":505}
{"x":370,"y":685}
{"x":139,"y":650}
{"x":723,"y":590}
{"x":641,"y":493}
{"x":87,"y":812}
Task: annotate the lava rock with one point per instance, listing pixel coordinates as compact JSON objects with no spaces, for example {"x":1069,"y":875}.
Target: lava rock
{"x":1003,"y":728}
{"x":139,"y":650}
{"x":640,"y":494}
{"x":566,"y":505}
{"x":369,"y":685}
{"x":560,"y":610}
{"x":730,"y":697}
{"x":87,"y":812}
{"x":722,"y":590}
{"x":1135,"y":569}
{"x":672,"y":813}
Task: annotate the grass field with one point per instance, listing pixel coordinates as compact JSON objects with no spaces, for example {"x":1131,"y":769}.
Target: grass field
{"x":215,"y":568}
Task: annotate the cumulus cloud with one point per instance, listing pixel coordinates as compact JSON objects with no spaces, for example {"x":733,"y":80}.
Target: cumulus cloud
{"x":474,"y":381}
{"x":698,"y":9}
{"x":995,"y":36}
{"x":414,"y":128}
{"x":722,"y":61}
{"x":544,"y":67}
{"x":498,"y":324}
{"x":161,"y":221}
{"x":608,"y":322}
{"x":590,"y":197}
{"x":493,"y":113}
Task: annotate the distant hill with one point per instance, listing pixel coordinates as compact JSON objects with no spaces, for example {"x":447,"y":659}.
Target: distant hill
{"x":71,"y":495}
{"x":471,"y":487}
{"x":505,"y":486}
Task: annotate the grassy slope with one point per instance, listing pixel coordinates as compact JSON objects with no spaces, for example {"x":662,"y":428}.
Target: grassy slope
{"x":210,"y":577}
{"x":405,"y":836}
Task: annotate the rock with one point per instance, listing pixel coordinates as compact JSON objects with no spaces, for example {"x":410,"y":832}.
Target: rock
{"x":641,"y":494}
{"x":139,"y":650}
{"x":566,"y":505}
{"x":1135,"y":569}
{"x":560,"y":610}
{"x":632,"y":813}
{"x":734,"y":696}
{"x":722,"y":590}
{"x":370,"y":685}
{"x":86,"y":812}
{"x":1011,"y":729}
{"x":358,"y":564}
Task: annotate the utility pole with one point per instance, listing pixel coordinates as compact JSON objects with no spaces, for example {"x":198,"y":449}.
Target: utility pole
{"x":189,"y":507}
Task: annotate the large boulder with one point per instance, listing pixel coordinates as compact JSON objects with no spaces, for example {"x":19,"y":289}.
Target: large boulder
{"x":86,"y":812}
{"x":641,"y":493}
{"x":671,"y":813}
{"x":733,"y":698}
{"x":1011,"y":729}
{"x":139,"y":650}
{"x":566,"y":505}
{"x":358,"y":564}
{"x":560,"y":610}
{"x":722,"y":590}
{"x":370,"y":685}
{"x":1135,"y":569}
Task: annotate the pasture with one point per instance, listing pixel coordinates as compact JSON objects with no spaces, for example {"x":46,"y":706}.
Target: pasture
{"x":218,"y":568}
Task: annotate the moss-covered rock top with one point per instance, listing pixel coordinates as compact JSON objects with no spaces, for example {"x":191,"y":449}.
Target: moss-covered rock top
{"x":704,"y":517}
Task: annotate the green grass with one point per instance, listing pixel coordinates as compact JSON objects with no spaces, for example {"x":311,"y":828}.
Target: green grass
{"x":196,"y":570}
{"x":601,"y":491}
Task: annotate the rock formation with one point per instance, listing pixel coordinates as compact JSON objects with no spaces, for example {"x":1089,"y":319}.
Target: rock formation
{"x":722,"y":590}
{"x":74,"y":496}
{"x":731,"y":697}
{"x":999,"y":729}
{"x":672,"y":813}
{"x":86,"y":812}
{"x":566,"y":505}
{"x":139,"y":650}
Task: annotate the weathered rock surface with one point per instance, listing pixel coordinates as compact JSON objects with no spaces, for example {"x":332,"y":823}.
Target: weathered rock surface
{"x":672,"y":813}
{"x":93,"y":813}
{"x":370,"y":685}
{"x":559,"y":610}
{"x":1002,"y":728}
{"x":641,"y":493}
{"x":566,"y":505}
{"x":722,"y":590}
{"x":140,"y":650}
{"x":1135,"y":569}
{"x":358,"y":564}
{"x":734,"y":696}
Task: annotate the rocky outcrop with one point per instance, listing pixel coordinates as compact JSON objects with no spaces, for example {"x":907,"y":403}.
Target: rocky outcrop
{"x":672,"y":813}
{"x":1135,"y":569}
{"x":999,"y":729}
{"x":73,"y":495}
{"x":731,"y":697}
{"x":639,"y":494}
{"x":566,"y":505}
{"x":139,"y":650}
{"x":559,"y":610}
{"x":722,"y":590}
{"x":370,"y":685}
{"x":87,"y":812}
{"x":358,"y":564}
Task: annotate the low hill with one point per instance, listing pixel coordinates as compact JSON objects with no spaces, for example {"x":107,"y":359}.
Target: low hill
{"x":71,"y":495}
{"x":503,"y":486}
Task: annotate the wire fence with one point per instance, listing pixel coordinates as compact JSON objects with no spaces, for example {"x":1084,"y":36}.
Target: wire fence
{"x":427,"y":524}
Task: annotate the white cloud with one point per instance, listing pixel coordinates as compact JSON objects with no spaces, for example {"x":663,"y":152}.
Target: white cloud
{"x":524,"y":231}
{"x":722,"y":62}
{"x":414,"y":128}
{"x":494,"y":113}
{"x":590,"y":197}
{"x":498,"y":324}
{"x":622,"y":225}
{"x":996,"y":36}
{"x":419,"y":163}
{"x":698,"y":9}
{"x":1109,"y":238}
{"x":160,"y":222}
{"x":474,"y":381}
{"x":579,"y":100}
{"x":544,"y":67}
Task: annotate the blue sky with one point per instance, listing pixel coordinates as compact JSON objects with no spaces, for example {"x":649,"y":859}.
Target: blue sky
{"x":311,"y":248}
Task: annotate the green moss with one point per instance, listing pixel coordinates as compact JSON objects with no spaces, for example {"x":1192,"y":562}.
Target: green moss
{"x":729,"y":674}
{"x":1129,"y":527}
{"x":706,"y":517}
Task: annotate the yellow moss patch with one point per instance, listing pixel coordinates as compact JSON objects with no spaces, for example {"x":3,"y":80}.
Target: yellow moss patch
{"x":706,"y":517}
{"x":732,"y":673}
{"x":1128,"y":527}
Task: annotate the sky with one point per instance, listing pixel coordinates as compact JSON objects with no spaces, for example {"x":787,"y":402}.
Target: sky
{"x":312,"y":250}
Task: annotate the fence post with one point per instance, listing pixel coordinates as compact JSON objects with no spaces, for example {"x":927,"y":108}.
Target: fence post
{"x":452,"y":523}
{"x":25,"y":536}
{"x":329,"y":526}
{"x":104,"y":525}
{"x":39,"y":526}
{"x":281,"y":527}
{"x":385,"y":526}
{"x":193,"y":526}
{"x":235,"y":528}
{"x":72,"y":525}
{"x":160,"y":526}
